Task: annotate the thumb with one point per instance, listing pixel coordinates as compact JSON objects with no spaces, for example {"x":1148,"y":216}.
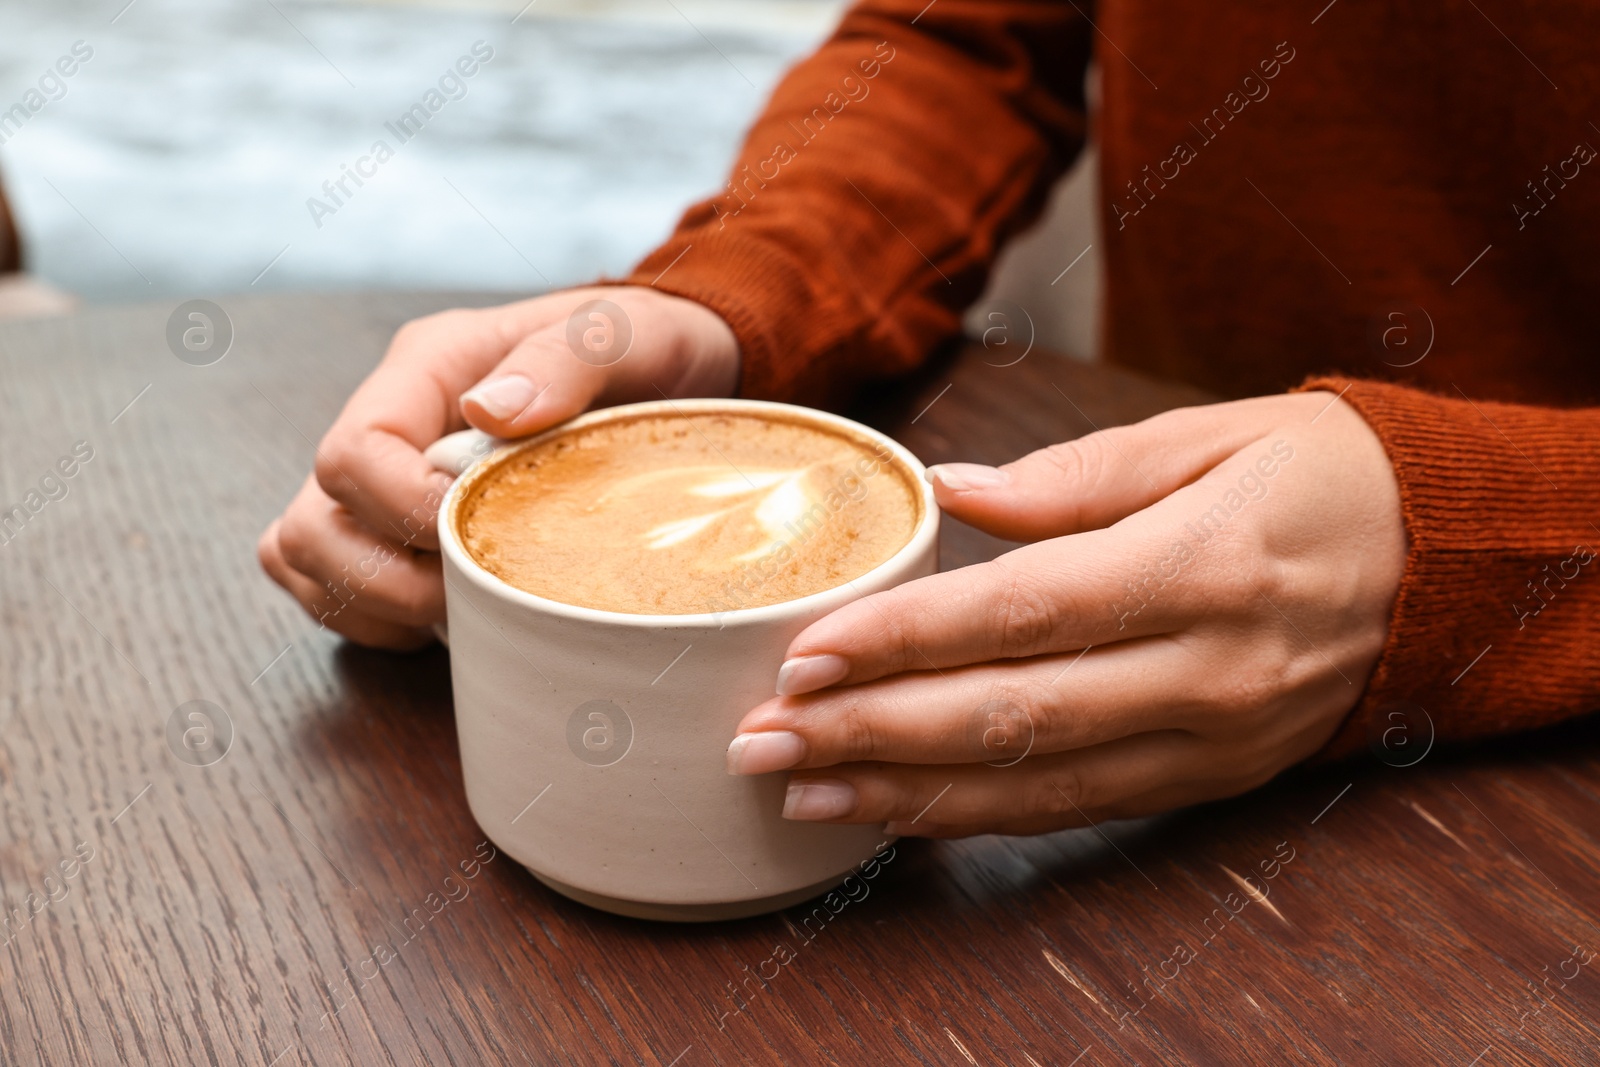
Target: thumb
{"x":1093,"y":481}
{"x":607,"y":346}
{"x":540,"y":383}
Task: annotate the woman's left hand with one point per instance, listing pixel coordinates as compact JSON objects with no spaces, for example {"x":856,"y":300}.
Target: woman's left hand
{"x":1202,"y":599}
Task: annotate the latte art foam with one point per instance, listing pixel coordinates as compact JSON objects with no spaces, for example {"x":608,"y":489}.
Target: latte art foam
{"x":674,"y":515}
{"x":771,"y":500}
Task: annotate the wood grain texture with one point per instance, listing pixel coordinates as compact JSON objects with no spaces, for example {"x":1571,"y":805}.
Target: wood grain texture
{"x":289,"y":904}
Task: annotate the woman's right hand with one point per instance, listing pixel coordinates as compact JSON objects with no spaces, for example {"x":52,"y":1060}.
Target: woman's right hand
{"x":358,"y":546}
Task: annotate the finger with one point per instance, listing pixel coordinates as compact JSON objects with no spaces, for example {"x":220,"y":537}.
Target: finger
{"x":1095,"y":480}
{"x":1055,"y":596}
{"x":1088,"y":782}
{"x":1182,"y":559}
{"x":540,"y":383}
{"x":321,"y":539}
{"x":990,"y":713}
{"x":371,"y":458}
{"x":348,"y":621}
{"x":607,"y":345}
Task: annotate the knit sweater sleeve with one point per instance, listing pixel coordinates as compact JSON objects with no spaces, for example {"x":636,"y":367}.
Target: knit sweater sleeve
{"x":871,"y":196}
{"x":1496,"y":626}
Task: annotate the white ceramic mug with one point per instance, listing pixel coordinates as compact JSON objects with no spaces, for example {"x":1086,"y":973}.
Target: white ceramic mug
{"x":594,"y":743}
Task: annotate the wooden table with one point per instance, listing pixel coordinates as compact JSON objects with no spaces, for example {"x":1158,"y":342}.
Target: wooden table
{"x":254,"y":910}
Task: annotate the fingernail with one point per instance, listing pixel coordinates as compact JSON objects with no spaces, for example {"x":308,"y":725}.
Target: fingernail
{"x":806,"y":674}
{"x":503,"y":398}
{"x":819,"y":799}
{"x":965,"y":477}
{"x":769,"y":750}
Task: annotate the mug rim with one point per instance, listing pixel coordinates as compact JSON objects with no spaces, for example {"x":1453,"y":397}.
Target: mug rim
{"x":926,"y":530}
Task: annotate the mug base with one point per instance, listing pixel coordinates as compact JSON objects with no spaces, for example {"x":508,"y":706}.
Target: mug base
{"x":688,"y":913}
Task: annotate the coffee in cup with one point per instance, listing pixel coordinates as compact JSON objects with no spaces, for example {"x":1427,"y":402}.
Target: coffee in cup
{"x":594,"y":739}
{"x":664,"y":514}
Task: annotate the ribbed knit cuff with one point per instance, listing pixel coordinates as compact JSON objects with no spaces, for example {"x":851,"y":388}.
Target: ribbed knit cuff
{"x":1495,"y":623}
{"x":737,"y":275}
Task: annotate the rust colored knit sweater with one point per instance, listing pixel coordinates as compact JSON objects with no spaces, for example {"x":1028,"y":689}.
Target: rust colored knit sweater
{"x":1295,"y":179}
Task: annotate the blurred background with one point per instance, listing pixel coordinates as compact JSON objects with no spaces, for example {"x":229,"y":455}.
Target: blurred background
{"x":179,"y":160}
